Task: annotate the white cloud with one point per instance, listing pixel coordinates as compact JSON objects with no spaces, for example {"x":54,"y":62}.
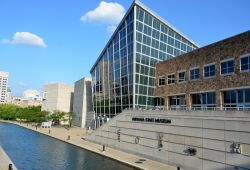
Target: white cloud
{"x":111,"y":28}
{"x":26,"y":38}
{"x":107,"y":12}
{"x":22,"y":84}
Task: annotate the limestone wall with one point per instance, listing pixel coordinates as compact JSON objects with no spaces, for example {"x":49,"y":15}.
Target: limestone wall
{"x":211,"y":133}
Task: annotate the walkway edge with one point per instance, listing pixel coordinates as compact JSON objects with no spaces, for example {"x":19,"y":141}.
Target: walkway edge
{"x":5,"y":160}
{"x":89,"y":146}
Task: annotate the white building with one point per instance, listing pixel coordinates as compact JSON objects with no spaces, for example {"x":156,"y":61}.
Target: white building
{"x":9,"y":95}
{"x":59,"y":97}
{"x":3,"y":86}
{"x":82,"y":105}
{"x":32,"y":95}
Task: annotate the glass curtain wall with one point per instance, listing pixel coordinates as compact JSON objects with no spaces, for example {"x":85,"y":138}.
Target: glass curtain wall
{"x":124,"y":77}
{"x":155,"y":42}
{"x":112,"y":76}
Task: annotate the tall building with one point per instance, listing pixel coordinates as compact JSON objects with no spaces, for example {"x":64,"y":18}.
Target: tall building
{"x":82,"y":103}
{"x":58,"y":97}
{"x":3,"y":86}
{"x":124,"y":74}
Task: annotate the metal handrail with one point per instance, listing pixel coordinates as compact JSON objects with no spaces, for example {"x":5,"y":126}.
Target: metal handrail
{"x":241,"y":108}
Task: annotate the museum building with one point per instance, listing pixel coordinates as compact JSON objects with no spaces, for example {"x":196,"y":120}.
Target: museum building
{"x":216,"y":76}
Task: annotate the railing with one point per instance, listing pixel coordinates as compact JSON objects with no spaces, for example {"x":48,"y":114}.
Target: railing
{"x":241,"y":108}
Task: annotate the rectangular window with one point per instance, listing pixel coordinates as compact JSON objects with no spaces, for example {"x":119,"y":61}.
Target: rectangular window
{"x":177,"y":101}
{"x":204,"y":100}
{"x":171,"y":79}
{"x":230,"y":98}
{"x":227,"y":67}
{"x":245,"y":63}
{"x":162,"y":81}
{"x":182,"y":76}
{"x":209,"y":70}
{"x":194,"y":74}
{"x":237,"y":98}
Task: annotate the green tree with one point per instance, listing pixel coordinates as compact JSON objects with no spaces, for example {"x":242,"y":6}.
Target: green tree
{"x":57,"y":116}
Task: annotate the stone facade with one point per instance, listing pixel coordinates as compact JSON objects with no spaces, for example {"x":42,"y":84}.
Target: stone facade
{"x":82,"y":105}
{"x":58,"y":97}
{"x":211,"y":134}
{"x":231,"y":48}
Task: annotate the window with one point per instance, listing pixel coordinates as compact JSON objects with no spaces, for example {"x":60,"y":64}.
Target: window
{"x":209,"y":70}
{"x":227,"y":67}
{"x":194,"y":74}
{"x":245,"y":63}
{"x":177,"y":101}
{"x":182,"y":76}
{"x":171,"y":79}
{"x":203,"y":100}
{"x":237,"y":98}
{"x":161,"y":81}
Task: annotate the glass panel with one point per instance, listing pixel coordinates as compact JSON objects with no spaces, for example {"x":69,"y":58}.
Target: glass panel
{"x":240,"y":96}
{"x":247,"y":96}
{"x":182,"y":76}
{"x":245,"y":63}
{"x":161,"y":81}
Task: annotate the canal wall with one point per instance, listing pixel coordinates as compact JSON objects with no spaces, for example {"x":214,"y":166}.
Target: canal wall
{"x":5,"y":161}
{"x":190,"y":139}
{"x":77,"y":139}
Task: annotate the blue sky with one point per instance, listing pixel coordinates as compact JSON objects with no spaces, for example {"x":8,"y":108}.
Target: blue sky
{"x":46,"y":41}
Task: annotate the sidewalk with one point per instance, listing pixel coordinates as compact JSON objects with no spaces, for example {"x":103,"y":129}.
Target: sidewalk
{"x":76,"y":135}
{"x":5,"y":160}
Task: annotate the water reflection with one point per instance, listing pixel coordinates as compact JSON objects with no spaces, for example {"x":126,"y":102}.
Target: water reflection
{"x":33,"y":151}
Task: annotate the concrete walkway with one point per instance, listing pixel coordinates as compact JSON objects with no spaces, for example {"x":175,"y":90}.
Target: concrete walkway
{"x":76,"y":135}
{"x":5,"y":161}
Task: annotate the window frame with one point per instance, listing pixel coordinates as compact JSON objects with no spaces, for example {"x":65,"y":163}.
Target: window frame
{"x":168,"y":78}
{"x":206,"y":65}
{"x":242,"y":56}
{"x":202,"y":104}
{"x":226,"y":60}
{"x":191,"y":69}
{"x":161,"y":77}
{"x":185,"y":77}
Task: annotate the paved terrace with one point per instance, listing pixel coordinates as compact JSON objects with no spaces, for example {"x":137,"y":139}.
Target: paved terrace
{"x":76,"y":138}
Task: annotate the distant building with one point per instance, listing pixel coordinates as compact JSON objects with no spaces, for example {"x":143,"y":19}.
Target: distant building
{"x":58,"y":97}
{"x":3,"y":87}
{"x":9,"y":95}
{"x":214,"y":76}
{"x":32,"y":95}
{"x":82,"y":105}
{"x":17,"y":100}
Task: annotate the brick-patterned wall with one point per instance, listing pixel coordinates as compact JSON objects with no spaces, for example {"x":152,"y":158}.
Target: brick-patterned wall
{"x":233,"y":47}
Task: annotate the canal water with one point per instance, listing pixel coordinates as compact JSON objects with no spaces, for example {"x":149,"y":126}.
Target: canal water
{"x":30,"y":150}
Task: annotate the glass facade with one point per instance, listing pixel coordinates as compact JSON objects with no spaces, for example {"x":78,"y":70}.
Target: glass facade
{"x":112,"y":77}
{"x":124,"y":75}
